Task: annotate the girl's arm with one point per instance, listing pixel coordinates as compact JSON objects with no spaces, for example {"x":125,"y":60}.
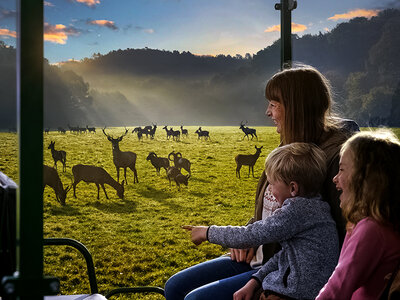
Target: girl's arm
{"x":360,"y":256}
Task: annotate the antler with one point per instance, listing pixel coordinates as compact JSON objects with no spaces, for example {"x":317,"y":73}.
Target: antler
{"x":169,"y":156}
{"x":108,"y":136}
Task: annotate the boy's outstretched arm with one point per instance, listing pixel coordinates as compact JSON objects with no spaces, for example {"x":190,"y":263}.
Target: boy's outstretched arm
{"x":199,"y":233}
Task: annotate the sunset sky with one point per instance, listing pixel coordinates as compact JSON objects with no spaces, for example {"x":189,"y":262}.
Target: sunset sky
{"x":75,"y":29}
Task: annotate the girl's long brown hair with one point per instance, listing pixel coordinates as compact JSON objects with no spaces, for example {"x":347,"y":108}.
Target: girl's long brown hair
{"x":306,"y":96}
{"x":376,"y":178}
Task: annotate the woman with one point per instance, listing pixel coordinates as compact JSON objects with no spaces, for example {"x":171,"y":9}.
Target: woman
{"x":300,"y":105}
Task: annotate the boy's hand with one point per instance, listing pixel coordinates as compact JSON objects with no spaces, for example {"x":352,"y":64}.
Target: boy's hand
{"x":199,"y":233}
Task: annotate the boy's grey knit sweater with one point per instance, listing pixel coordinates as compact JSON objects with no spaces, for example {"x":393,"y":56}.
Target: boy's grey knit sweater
{"x":310,"y":248}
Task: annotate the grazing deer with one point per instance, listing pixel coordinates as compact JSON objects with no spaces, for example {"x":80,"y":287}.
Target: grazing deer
{"x":51,"y":178}
{"x":247,"y":160}
{"x":158,"y":162}
{"x":58,"y":156}
{"x":184,"y":131}
{"x":91,"y":129}
{"x":202,"y":133}
{"x":173,"y":173}
{"x":97,"y":175}
{"x":248,"y":131}
{"x":47,"y":130}
{"x":122,"y":159}
{"x":61,"y":130}
{"x":179,"y":161}
{"x":139,"y":132}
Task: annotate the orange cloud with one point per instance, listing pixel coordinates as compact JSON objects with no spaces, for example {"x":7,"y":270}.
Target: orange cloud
{"x":104,"y":23}
{"x":90,"y":3}
{"x":58,"y":33}
{"x":295,"y":28}
{"x":7,"y":33}
{"x":366,"y":13}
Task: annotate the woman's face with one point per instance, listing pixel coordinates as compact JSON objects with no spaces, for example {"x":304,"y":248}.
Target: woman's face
{"x":276,"y":111}
{"x":343,"y":177}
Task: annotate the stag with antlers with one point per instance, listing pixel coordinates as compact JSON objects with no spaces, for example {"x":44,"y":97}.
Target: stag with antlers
{"x":248,"y":131}
{"x":122,"y":159}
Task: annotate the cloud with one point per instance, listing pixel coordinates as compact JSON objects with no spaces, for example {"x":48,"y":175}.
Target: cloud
{"x":366,"y":13}
{"x":295,"y":28}
{"x":7,"y":14}
{"x":90,"y":3}
{"x":47,"y":3}
{"x":103,"y":23}
{"x":7,"y":33}
{"x":58,"y":33}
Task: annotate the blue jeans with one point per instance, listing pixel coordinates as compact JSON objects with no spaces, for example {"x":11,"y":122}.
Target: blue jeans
{"x":214,"y":279}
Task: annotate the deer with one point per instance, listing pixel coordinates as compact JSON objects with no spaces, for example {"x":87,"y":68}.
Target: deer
{"x":97,"y":175}
{"x":51,"y":178}
{"x":58,"y":155}
{"x":202,"y":133}
{"x":248,"y":131}
{"x":158,"y":162}
{"x":179,"y":161}
{"x":247,"y":160}
{"x":153,"y":131}
{"x":139,"y":132}
{"x":91,"y":129}
{"x":61,"y":130}
{"x":184,"y":131}
{"x":122,"y":159}
{"x":173,"y":173}
{"x":169,"y":133}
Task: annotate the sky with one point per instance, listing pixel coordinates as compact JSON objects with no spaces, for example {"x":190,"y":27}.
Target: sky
{"x":75,"y":29}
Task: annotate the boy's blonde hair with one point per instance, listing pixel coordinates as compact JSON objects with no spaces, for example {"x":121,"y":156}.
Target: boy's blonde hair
{"x":303,"y":163}
{"x":376,"y":177}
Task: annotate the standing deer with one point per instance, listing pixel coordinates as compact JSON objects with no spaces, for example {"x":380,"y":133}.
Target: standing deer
{"x":97,"y":175}
{"x":179,"y":161}
{"x":60,"y":155}
{"x":184,"y":131}
{"x":122,"y":159}
{"x":202,"y":133}
{"x":248,"y":131}
{"x":51,"y":178}
{"x":247,"y":160}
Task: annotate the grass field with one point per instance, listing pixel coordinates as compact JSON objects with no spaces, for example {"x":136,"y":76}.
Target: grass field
{"x":138,"y":240}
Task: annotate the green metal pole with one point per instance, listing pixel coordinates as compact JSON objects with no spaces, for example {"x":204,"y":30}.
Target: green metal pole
{"x":30,"y":130}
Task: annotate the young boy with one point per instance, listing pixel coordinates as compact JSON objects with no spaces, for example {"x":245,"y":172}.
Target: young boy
{"x":303,"y":226}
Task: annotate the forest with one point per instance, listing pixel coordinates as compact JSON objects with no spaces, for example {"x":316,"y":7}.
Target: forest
{"x":143,"y":86}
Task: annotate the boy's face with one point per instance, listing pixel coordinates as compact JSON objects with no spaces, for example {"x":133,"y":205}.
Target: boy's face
{"x":343,"y":177}
{"x":280,"y":190}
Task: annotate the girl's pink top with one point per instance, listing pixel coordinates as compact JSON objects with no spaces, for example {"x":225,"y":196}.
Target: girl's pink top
{"x":369,"y":253}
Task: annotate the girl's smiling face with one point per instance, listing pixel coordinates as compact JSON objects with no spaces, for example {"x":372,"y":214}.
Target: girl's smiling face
{"x":343,"y":177}
{"x":276,"y":111}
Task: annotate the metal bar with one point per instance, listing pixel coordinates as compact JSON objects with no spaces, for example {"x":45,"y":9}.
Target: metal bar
{"x":286,"y":7}
{"x":30,"y":130}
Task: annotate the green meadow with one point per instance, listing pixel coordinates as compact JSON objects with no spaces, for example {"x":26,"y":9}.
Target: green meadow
{"x":138,"y":240}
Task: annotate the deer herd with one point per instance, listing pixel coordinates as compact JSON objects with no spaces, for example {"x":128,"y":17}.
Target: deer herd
{"x":127,"y":159}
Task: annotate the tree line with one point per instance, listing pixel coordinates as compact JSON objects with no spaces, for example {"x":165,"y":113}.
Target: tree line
{"x":135,"y":86}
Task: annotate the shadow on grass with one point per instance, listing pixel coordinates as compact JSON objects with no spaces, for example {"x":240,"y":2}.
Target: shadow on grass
{"x":155,"y":194}
{"x":117,"y":207}
{"x":64,"y":210}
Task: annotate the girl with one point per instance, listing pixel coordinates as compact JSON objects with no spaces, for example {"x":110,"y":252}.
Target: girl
{"x":368,"y":178}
